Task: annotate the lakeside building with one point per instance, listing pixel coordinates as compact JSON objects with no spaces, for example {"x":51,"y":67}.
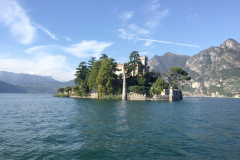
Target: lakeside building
{"x":142,"y":68}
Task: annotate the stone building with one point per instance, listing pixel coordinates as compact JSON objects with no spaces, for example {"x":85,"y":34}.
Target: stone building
{"x":142,"y":68}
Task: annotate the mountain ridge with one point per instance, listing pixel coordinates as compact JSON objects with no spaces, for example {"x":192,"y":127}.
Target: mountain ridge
{"x":22,"y":78}
{"x":215,"y":71}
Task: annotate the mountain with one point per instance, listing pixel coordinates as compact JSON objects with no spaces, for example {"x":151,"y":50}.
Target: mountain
{"x":215,"y":71}
{"x":26,"y":83}
{"x":8,"y":88}
{"x":21,"y":78}
{"x":49,"y":88}
{"x":168,"y":60}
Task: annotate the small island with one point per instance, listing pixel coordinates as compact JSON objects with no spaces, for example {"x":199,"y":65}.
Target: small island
{"x":107,"y":79}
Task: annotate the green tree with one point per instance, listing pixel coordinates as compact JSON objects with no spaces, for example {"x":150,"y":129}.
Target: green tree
{"x":93,"y":75}
{"x":133,"y":61}
{"x":77,"y":81}
{"x":103,"y":57}
{"x":60,"y":90}
{"x":158,"y":86}
{"x":141,"y":81}
{"x":68,"y":88}
{"x":90,"y":62}
{"x":176,"y":76}
{"x":137,"y":89}
{"x":82,"y":71}
{"x":106,"y":77}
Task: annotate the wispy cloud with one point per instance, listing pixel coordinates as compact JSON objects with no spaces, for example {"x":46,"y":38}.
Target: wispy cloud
{"x":132,"y":32}
{"x":126,"y":15}
{"x":87,"y":48}
{"x":194,"y":19}
{"x":15,"y":18}
{"x":152,"y":40}
{"x":126,"y":34}
{"x":37,"y":49}
{"x":153,"y":6}
{"x":46,"y":31}
{"x":67,"y":39}
{"x":138,"y":30}
{"x":83,"y":49}
{"x":157,"y":16}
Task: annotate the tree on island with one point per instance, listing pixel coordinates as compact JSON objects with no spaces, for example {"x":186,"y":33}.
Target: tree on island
{"x":93,"y":75}
{"x":132,"y":64}
{"x":81,"y":73}
{"x":60,"y":90}
{"x":67,"y":89}
{"x":158,"y":86}
{"x":91,"y":61}
{"x":176,"y":76}
{"x":106,"y":76}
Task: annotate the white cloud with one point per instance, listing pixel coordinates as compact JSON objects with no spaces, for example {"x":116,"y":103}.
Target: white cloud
{"x":40,"y":64}
{"x":138,"y":30}
{"x":155,"y":20}
{"x":87,"y":48}
{"x":149,"y":42}
{"x":37,"y":49}
{"x":157,"y":16}
{"x":132,"y":32}
{"x":126,"y":34}
{"x":46,"y":31}
{"x":152,"y":6}
{"x":67,"y":38}
{"x":126,"y":15}
{"x":16,"y":19}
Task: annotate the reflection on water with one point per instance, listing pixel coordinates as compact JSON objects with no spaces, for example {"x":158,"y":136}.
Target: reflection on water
{"x":121,"y":113}
{"x":44,"y":127}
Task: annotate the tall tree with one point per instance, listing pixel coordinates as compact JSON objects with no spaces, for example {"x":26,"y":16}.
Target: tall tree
{"x":93,"y":75}
{"x":175,"y":76}
{"x":133,"y":61}
{"x":103,"y":57}
{"x":106,"y":77}
{"x":90,"y":62}
{"x":82,"y":71}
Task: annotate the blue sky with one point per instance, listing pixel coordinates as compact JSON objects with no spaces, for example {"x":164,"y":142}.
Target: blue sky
{"x":51,"y":38}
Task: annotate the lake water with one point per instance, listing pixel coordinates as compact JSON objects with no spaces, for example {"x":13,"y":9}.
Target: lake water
{"x":38,"y":126}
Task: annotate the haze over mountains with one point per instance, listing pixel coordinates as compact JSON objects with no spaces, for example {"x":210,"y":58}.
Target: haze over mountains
{"x":26,"y":83}
{"x":21,"y":78}
{"x":215,"y":71}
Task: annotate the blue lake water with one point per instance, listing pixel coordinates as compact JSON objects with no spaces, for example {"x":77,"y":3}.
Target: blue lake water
{"x":39,"y":126}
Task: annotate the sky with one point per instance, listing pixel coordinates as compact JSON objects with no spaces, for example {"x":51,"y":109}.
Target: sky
{"x":51,"y":37}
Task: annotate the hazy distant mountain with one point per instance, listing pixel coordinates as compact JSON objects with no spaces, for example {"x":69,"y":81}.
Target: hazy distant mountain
{"x":50,"y":87}
{"x":168,"y":60}
{"x":30,"y":83}
{"x":8,"y":88}
{"x":21,"y":78}
{"x":215,"y":71}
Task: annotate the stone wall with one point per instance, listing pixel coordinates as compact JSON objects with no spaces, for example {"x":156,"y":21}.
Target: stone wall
{"x":161,"y":98}
{"x":137,"y":96}
{"x":92,"y":95}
